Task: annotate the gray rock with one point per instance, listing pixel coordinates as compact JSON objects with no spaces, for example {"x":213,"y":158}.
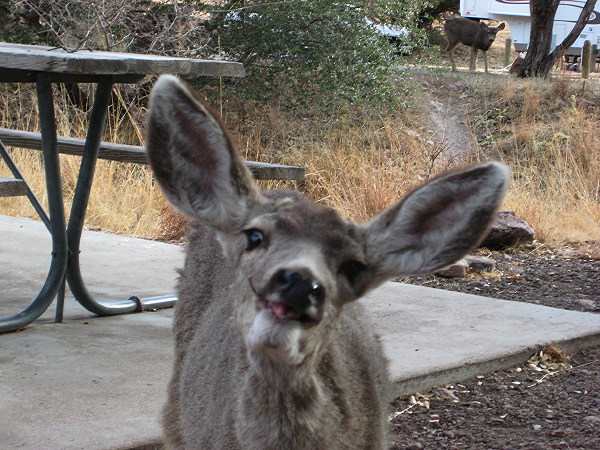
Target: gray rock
{"x":496,"y":420}
{"x":449,"y":434}
{"x":518,"y":271}
{"x":507,"y":230}
{"x":456,"y":270}
{"x":445,"y":394}
{"x":592,"y":419}
{"x":481,"y":263}
{"x":586,"y":303}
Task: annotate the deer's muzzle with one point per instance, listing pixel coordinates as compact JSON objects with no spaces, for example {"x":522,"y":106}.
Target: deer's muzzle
{"x":294,"y":295}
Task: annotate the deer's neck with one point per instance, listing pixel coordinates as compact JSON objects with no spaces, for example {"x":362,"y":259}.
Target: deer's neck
{"x":273,"y":373}
{"x":285,"y":406}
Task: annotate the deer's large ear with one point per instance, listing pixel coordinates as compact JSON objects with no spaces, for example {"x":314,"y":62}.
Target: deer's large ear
{"x":437,"y":223}
{"x":501,"y":26}
{"x":193,"y":158}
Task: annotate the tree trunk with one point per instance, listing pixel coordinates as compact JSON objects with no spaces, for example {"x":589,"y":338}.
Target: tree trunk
{"x":539,"y":61}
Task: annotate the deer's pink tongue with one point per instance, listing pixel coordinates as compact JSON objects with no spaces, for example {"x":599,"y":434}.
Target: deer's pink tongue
{"x":282,"y":311}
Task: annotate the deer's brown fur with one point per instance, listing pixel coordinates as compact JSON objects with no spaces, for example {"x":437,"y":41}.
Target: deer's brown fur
{"x":477,"y":35}
{"x":271,"y":349}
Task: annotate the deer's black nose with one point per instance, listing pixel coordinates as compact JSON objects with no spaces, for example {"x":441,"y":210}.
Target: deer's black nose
{"x":297,"y":290}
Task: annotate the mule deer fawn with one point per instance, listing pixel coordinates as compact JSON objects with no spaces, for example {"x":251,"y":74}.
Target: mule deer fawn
{"x":476,"y":35}
{"x":272,"y":351}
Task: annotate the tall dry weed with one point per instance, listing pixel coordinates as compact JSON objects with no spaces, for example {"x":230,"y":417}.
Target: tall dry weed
{"x":357,"y":163}
{"x":358,"y":166}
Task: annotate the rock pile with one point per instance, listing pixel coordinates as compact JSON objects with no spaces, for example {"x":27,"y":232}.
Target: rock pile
{"x":506,"y":231}
{"x":460,"y":268}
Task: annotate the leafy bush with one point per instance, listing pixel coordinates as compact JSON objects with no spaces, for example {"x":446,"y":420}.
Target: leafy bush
{"x":306,"y":52}
{"x":323,"y":54}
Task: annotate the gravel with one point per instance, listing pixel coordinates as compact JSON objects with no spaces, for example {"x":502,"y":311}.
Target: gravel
{"x":551,"y":402}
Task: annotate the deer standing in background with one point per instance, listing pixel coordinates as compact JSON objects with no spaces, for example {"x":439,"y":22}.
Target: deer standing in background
{"x":272,"y":351}
{"x":476,"y":35}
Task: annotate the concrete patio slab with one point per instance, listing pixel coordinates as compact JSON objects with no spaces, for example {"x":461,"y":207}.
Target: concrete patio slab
{"x":99,"y":383}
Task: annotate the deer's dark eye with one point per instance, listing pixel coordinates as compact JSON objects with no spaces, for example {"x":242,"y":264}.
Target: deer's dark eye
{"x":255,"y":238}
{"x":352,"y":269}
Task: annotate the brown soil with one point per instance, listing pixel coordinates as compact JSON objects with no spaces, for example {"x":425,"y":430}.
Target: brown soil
{"x":540,"y":405}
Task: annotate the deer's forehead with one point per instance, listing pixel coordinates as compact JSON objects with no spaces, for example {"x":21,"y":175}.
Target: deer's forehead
{"x":297,"y":218}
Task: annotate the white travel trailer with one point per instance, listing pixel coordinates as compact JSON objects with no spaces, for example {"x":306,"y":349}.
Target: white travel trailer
{"x":517,"y":14}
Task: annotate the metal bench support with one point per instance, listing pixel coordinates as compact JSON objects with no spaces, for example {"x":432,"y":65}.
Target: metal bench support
{"x":77,"y":217}
{"x":66,"y":239}
{"x":56,"y":220}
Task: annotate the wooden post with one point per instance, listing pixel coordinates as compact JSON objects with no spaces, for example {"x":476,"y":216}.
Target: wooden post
{"x":507,"y":51}
{"x":594,"y":58}
{"x":585,"y":60}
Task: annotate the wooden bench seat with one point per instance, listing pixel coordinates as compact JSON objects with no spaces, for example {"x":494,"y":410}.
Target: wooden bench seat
{"x":135,"y":154}
{"x":11,"y":187}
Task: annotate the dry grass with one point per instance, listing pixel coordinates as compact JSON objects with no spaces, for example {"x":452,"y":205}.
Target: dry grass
{"x":547,"y":132}
{"x":124,"y":198}
{"x":358,"y":163}
{"x":358,"y":166}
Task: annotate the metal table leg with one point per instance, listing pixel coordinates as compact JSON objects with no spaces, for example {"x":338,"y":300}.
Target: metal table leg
{"x":56,"y":221}
{"x":66,"y":239}
{"x":76,"y":219}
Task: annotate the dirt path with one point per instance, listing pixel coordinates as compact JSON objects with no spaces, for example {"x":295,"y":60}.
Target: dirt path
{"x":450,"y":128}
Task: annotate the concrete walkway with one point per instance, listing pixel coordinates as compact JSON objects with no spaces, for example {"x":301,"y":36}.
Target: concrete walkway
{"x":95,"y":382}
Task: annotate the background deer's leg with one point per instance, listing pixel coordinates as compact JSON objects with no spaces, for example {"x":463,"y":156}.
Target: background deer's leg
{"x":485,"y":61}
{"x":450,"y":51}
{"x":473,"y":62}
{"x":452,"y":59}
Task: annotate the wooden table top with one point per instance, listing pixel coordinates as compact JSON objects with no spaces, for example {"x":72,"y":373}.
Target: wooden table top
{"x":37,"y":58}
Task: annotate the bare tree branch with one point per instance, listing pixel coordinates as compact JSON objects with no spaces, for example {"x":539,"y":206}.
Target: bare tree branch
{"x":584,"y":16}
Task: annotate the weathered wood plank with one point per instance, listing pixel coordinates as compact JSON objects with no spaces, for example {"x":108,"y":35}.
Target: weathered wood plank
{"x":43,"y":59}
{"x":74,"y":146}
{"x":10,"y":187}
{"x":135,"y":154}
{"x":266,"y":171}
{"x":85,"y":62}
{"x":30,"y":76}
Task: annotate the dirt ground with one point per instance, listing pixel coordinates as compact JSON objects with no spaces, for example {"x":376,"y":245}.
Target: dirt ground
{"x":552,"y":402}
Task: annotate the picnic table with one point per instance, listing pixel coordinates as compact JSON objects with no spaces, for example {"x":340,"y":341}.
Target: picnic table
{"x":44,"y":66}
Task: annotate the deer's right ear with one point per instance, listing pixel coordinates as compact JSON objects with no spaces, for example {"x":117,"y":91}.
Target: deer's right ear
{"x":193,"y":158}
{"x":437,"y":223}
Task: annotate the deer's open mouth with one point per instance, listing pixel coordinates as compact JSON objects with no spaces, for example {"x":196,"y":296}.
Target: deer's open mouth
{"x":283,"y":311}
{"x":306,"y":311}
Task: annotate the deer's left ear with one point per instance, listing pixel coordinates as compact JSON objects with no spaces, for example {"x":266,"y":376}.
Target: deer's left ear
{"x":500,"y":27}
{"x":437,"y":223}
{"x":193,"y":158}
